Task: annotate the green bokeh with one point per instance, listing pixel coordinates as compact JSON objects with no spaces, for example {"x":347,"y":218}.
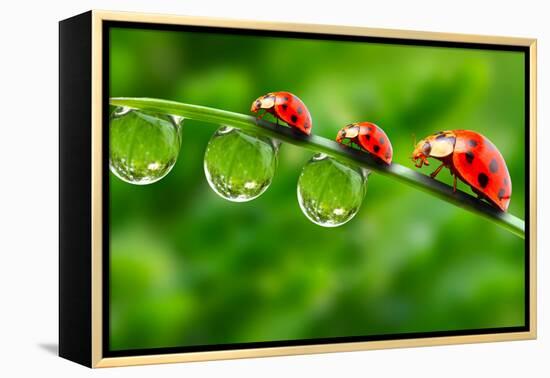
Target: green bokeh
{"x":189,"y":268}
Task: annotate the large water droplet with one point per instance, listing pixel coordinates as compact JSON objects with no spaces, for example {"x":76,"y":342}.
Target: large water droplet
{"x":330,"y":193}
{"x":238,"y":166}
{"x":144,"y":146}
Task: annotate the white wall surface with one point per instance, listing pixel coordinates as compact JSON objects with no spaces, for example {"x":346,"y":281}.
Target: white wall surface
{"x":28,"y":186}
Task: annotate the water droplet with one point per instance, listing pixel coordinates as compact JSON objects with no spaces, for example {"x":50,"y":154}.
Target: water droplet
{"x":330,"y":193}
{"x":144,"y":146}
{"x":238,"y":166}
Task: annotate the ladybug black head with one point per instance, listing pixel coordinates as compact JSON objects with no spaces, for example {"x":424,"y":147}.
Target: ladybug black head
{"x":426,"y":148}
{"x":421,"y":153}
{"x":341,"y":135}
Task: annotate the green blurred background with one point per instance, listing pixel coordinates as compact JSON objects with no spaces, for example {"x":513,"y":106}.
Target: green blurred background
{"x":189,"y":268}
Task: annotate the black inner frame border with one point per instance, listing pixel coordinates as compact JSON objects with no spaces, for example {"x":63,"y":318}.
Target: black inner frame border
{"x":107,"y":25}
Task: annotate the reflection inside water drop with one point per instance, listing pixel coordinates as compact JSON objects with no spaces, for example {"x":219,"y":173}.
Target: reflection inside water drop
{"x":144,"y":146}
{"x":238,"y":166}
{"x":330,"y":193}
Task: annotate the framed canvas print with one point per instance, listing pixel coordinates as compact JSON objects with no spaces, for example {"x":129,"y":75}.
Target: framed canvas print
{"x":235,"y":189}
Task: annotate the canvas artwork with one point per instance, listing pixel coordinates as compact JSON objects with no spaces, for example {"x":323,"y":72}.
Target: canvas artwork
{"x":275,"y":188}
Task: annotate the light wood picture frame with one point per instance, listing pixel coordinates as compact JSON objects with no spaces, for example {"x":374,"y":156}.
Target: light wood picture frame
{"x":84,"y":176}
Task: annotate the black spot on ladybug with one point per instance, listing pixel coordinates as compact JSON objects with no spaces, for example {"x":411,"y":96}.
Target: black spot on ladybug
{"x":286,"y":98}
{"x":493,"y":166}
{"x":300,"y":110}
{"x":470,"y":156}
{"x":505,"y":181}
{"x":472,"y":143}
{"x":371,"y":128}
{"x":483,"y":179}
{"x":501,"y":193}
{"x":376,"y":148}
{"x":284,"y":106}
{"x":367,"y":136}
{"x":294,"y":118}
{"x":382,"y":140}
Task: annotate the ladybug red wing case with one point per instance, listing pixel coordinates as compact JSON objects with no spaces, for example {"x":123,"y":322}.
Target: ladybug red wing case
{"x":373,"y":139}
{"x":292,"y":110}
{"x":480,"y":164}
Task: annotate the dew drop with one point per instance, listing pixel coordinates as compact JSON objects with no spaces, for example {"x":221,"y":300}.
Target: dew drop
{"x":330,"y":193}
{"x":144,"y":146}
{"x":238,"y":166}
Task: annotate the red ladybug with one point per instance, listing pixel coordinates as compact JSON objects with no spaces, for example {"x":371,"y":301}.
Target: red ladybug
{"x":473,"y":159}
{"x":368,"y":137}
{"x":286,"y":107}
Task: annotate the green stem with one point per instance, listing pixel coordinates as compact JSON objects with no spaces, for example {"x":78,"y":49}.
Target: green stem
{"x":319,"y":144}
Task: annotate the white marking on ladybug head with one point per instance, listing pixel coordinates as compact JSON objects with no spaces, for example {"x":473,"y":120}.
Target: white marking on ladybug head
{"x":267,"y":102}
{"x":441,"y":147}
{"x":351,"y":132}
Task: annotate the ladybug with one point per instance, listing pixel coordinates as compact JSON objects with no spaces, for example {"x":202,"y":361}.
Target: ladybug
{"x":473,"y":159}
{"x":286,"y":107}
{"x":367,"y":137}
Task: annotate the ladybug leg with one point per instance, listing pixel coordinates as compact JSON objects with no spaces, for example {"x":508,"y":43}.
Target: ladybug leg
{"x":454,"y":184}
{"x":436,"y":172}
{"x":260,"y":116}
